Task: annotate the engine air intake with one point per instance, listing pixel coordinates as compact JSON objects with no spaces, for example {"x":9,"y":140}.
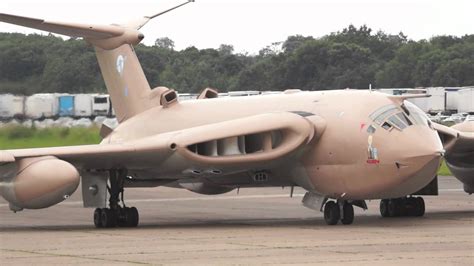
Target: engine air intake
{"x":239,"y":145}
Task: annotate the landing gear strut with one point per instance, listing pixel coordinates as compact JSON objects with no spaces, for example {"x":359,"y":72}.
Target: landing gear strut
{"x":342,"y":210}
{"x":409,"y":206}
{"x":118,"y":214}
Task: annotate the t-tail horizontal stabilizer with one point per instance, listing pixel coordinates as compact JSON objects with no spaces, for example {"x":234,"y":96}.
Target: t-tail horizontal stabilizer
{"x":122,"y":73}
{"x":104,"y":36}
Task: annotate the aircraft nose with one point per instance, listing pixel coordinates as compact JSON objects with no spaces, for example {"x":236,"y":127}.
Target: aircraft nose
{"x":422,"y":142}
{"x":421,"y":150}
{"x":419,"y":155}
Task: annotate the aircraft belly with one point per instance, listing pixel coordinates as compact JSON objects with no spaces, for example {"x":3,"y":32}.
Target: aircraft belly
{"x":245,"y":178}
{"x":354,"y":181}
{"x":373,"y":181}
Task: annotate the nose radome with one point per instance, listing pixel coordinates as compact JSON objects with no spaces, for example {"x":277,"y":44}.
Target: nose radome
{"x":421,"y":156}
{"x":421,"y":142}
{"x":417,"y":153}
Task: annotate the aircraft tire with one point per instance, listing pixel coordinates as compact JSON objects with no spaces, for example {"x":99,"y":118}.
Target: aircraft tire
{"x":420,"y":206}
{"x":348,"y":213}
{"x":410,"y":206}
{"x":97,"y":218}
{"x":108,"y":218}
{"x":393,"y":208}
{"x":384,"y":208}
{"x":331,"y":213}
{"x":131,"y":217}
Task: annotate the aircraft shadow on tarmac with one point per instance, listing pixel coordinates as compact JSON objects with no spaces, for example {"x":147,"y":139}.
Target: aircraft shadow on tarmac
{"x":369,"y":221}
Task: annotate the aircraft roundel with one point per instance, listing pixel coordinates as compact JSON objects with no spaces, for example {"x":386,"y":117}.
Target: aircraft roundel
{"x":120,"y":64}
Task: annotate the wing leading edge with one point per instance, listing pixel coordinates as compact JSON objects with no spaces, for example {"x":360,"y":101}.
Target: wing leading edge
{"x":239,"y":143}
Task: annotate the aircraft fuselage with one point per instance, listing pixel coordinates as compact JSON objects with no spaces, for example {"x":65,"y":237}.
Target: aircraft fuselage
{"x":355,"y":157}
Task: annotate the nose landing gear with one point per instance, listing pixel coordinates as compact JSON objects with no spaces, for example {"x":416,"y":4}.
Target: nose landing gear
{"x":409,"y":206}
{"x":118,"y":214}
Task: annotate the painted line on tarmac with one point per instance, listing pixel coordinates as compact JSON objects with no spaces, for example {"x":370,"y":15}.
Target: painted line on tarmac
{"x":218,"y":198}
{"x":452,"y":190}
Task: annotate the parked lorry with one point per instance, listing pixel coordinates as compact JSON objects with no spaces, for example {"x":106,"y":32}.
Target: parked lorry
{"x":44,"y":105}
{"x":101,"y":105}
{"x":452,"y":96}
{"x":436,"y":103}
{"x":83,"y":105}
{"x":12,"y":106}
{"x":466,"y":101}
{"x":66,"y":105}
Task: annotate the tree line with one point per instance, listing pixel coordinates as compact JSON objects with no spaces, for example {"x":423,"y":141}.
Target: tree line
{"x":351,"y":58}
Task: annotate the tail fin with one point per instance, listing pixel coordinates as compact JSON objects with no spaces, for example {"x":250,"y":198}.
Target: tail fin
{"x":126,"y":83}
{"x":121,"y":70}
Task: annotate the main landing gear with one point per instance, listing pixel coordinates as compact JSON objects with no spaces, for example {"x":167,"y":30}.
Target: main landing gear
{"x":118,"y":214}
{"x":408,"y":206}
{"x":340,"y":210}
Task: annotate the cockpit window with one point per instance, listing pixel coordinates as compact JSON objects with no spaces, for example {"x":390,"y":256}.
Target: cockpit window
{"x":382,"y":113}
{"x":400,"y":117}
{"x":404,"y":118}
{"x":398,"y":120}
{"x":371,"y":129}
{"x":387,"y":126}
{"x":416,"y":114}
{"x":390,"y":116}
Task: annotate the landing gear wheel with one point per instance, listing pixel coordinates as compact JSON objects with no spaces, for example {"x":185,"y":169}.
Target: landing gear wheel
{"x":131,"y":217}
{"x":393,"y":208}
{"x":331,"y":213}
{"x":117,"y":214}
{"x":97,"y":218}
{"x":108,"y":218}
{"x":420,"y":206}
{"x":408,"y":206}
{"x":384,"y":208}
{"x":348,"y":213}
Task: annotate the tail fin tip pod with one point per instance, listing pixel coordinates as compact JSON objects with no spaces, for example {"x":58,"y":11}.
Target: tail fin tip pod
{"x":121,"y":70}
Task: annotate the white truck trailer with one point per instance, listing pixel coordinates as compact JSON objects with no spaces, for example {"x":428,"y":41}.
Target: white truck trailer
{"x":436,"y":103}
{"x":83,"y":105}
{"x":43,"y":105}
{"x":11,"y":106}
{"x":452,"y":96}
{"x":466,"y":101}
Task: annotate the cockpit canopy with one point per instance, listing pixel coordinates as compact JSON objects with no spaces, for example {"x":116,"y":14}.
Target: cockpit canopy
{"x":399,"y":117}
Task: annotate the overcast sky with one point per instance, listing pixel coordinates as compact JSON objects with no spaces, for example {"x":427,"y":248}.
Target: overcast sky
{"x":252,"y":25}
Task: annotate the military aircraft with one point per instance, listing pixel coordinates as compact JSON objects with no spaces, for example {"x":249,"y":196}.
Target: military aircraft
{"x":343,"y":146}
